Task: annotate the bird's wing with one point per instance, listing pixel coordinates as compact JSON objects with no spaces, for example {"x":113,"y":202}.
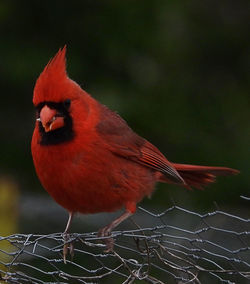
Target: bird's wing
{"x":123,"y":141}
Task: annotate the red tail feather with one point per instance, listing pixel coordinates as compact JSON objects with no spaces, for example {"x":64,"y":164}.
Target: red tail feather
{"x":198,"y":176}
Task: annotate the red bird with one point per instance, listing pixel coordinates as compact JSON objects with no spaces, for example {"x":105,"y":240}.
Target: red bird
{"x":88,"y":158}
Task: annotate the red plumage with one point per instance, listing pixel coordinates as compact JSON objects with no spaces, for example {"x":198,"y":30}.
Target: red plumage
{"x":87,"y":157}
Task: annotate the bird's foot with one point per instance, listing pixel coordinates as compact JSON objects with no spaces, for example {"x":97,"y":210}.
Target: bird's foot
{"x":67,"y":247}
{"x":106,"y":231}
{"x":109,"y":242}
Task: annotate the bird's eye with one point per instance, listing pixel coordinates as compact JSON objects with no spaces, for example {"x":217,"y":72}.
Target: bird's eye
{"x":67,"y":103}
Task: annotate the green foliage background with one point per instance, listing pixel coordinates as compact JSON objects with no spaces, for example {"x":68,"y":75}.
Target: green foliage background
{"x":177,"y":71}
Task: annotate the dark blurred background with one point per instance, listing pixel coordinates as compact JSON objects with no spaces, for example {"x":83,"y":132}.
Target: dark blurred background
{"x":176,"y":71}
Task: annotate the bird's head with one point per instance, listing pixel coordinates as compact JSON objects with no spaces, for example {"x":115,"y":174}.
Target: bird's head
{"x":54,"y":95}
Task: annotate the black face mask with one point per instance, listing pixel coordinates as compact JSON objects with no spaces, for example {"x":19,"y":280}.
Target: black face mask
{"x":58,"y":135}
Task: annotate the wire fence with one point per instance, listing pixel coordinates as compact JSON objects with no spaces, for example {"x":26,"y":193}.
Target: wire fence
{"x":181,"y":247}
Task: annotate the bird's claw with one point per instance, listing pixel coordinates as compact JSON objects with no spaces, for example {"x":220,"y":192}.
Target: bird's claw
{"x":109,"y":242}
{"x":67,"y":247}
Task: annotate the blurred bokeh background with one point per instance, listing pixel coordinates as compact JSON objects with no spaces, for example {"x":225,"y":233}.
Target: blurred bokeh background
{"x":176,"y":71}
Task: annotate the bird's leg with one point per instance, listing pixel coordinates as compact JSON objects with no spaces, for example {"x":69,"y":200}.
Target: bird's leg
{"x":106,"y":231}
{"x":68,"y":246}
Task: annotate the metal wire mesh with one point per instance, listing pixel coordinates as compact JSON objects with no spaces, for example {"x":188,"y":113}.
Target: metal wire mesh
{"x":181,"y":247}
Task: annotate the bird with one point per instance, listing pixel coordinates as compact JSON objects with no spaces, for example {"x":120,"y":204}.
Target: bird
{"x":88,"y":158}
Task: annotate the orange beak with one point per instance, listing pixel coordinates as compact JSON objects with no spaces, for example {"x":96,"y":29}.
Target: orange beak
{"x":50,"y":119}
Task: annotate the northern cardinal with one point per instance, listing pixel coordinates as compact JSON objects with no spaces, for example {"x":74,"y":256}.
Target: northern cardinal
{"x":88,"y":158}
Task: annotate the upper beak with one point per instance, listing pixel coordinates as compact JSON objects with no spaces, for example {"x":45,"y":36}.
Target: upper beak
{"x":50,"y":119}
